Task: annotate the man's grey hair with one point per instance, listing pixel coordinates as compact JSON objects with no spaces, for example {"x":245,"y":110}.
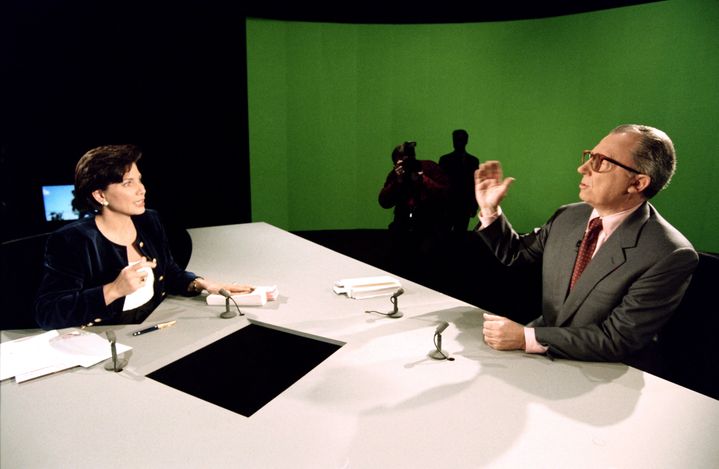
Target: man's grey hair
{"x":653,"y":155}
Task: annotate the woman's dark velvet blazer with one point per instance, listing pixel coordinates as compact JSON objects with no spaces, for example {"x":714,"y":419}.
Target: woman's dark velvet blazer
{"x":79,"y":260}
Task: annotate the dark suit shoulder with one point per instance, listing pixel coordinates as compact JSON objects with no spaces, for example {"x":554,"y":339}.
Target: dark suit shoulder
{"x":572,"y":213}
{"x":76,"y":231}
{"x":78,"y":226}
{"x":576,"y":208}
{"x":457,"y":158}
{"x":665,"y":231}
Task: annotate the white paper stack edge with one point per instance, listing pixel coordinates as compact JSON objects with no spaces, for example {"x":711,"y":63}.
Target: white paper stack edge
{"x":367,"y":287}
{"x":258,"y":297}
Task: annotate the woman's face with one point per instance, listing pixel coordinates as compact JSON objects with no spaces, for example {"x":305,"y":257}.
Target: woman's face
{"x":126,"y":197}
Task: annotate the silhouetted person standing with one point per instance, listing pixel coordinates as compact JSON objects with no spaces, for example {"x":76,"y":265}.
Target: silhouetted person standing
{"x":459,"y":166}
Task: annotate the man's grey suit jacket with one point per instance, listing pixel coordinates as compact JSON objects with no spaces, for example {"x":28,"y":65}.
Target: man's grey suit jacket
{"x":627,"y":292}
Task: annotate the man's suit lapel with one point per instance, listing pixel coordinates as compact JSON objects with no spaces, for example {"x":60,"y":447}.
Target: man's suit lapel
{"x":610,"y":256}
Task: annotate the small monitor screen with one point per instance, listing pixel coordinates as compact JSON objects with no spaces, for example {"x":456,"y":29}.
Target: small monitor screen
{"x":58,"y":203}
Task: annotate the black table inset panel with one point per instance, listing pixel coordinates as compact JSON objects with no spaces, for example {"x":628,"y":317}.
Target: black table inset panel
{"x":247,"y":369}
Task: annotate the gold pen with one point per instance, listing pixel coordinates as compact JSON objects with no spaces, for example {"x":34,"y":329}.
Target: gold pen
{"x":161,"y":325}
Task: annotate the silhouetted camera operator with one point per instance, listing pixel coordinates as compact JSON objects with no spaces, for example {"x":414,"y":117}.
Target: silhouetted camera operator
{"x":417,"y":189}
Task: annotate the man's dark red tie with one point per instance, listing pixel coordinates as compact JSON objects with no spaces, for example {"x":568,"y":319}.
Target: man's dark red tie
{"x":586,"y":249}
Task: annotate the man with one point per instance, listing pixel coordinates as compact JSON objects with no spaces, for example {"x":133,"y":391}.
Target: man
{"x":459,"y":166}
{"x":417,"y":189}
{"x":640,"y":265}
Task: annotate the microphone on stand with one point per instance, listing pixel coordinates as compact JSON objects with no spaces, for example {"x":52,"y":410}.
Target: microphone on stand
{"x":396,"y":313}
{"x":114,"y":364}
{"x":227,"y":314}
{"x":438,"y":353}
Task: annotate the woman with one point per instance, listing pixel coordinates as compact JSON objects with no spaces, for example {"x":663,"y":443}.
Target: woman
{"x":114,"y":267}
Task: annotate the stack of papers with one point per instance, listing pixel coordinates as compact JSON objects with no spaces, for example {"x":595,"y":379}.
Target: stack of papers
{"x":257,"y":297}
{"x":38,"y":355}
{"x":367,"y":287}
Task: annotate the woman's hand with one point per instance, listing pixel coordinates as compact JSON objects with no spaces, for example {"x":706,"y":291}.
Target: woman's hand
{"x":130,"y":279}
{"x":213,"y":287}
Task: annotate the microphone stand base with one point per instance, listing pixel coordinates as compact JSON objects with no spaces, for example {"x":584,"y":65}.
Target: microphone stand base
{"x":395,"y":315}
{"x":228,"y":314}
{"x":438,"y":355}
{"x":110,"y":366}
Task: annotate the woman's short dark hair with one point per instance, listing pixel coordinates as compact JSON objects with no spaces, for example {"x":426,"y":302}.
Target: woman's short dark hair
{"x":100,"y":167}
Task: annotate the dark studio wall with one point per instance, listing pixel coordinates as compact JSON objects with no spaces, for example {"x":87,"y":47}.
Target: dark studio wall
{"x":171,"y":80}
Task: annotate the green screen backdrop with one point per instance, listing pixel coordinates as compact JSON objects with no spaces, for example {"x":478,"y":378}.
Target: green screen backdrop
{"x":328,"y":102}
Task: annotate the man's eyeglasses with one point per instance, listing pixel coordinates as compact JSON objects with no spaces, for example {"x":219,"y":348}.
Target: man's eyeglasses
{"x":596,"y":160}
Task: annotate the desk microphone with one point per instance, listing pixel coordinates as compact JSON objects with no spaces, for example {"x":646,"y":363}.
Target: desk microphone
{"x":396,"y":313}
{"x":438,"y":353}
{"x":227,"y":314}
{"x":114,"y":364}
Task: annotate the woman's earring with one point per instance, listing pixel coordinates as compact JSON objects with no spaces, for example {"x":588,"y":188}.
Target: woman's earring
{"x":105,"y":203}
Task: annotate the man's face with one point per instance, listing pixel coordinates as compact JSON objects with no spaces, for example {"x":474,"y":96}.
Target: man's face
{"x":610,"y":190}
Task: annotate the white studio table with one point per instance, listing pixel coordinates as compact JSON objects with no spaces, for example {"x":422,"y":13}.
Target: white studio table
{"x":378,"y":402}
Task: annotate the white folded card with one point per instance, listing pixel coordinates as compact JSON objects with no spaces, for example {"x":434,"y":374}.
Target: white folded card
{"x":367,"y":287}
{"x":257,"y":297}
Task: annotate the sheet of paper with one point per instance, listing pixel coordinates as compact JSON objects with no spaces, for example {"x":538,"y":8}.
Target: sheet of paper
{"x":49,"y":352}
{"x":142,"y":295}
{"x":25,"y":354}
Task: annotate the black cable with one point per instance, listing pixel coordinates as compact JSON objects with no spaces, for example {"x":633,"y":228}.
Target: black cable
{"x":237,"y":306}
{"x":395,"y":309}
{"x":378,"y":312}
{"x":439,"y":350}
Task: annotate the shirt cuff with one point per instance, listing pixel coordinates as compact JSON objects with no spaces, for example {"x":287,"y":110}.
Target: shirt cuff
{"x":530,"y":342}
{"x":486,"y":221}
